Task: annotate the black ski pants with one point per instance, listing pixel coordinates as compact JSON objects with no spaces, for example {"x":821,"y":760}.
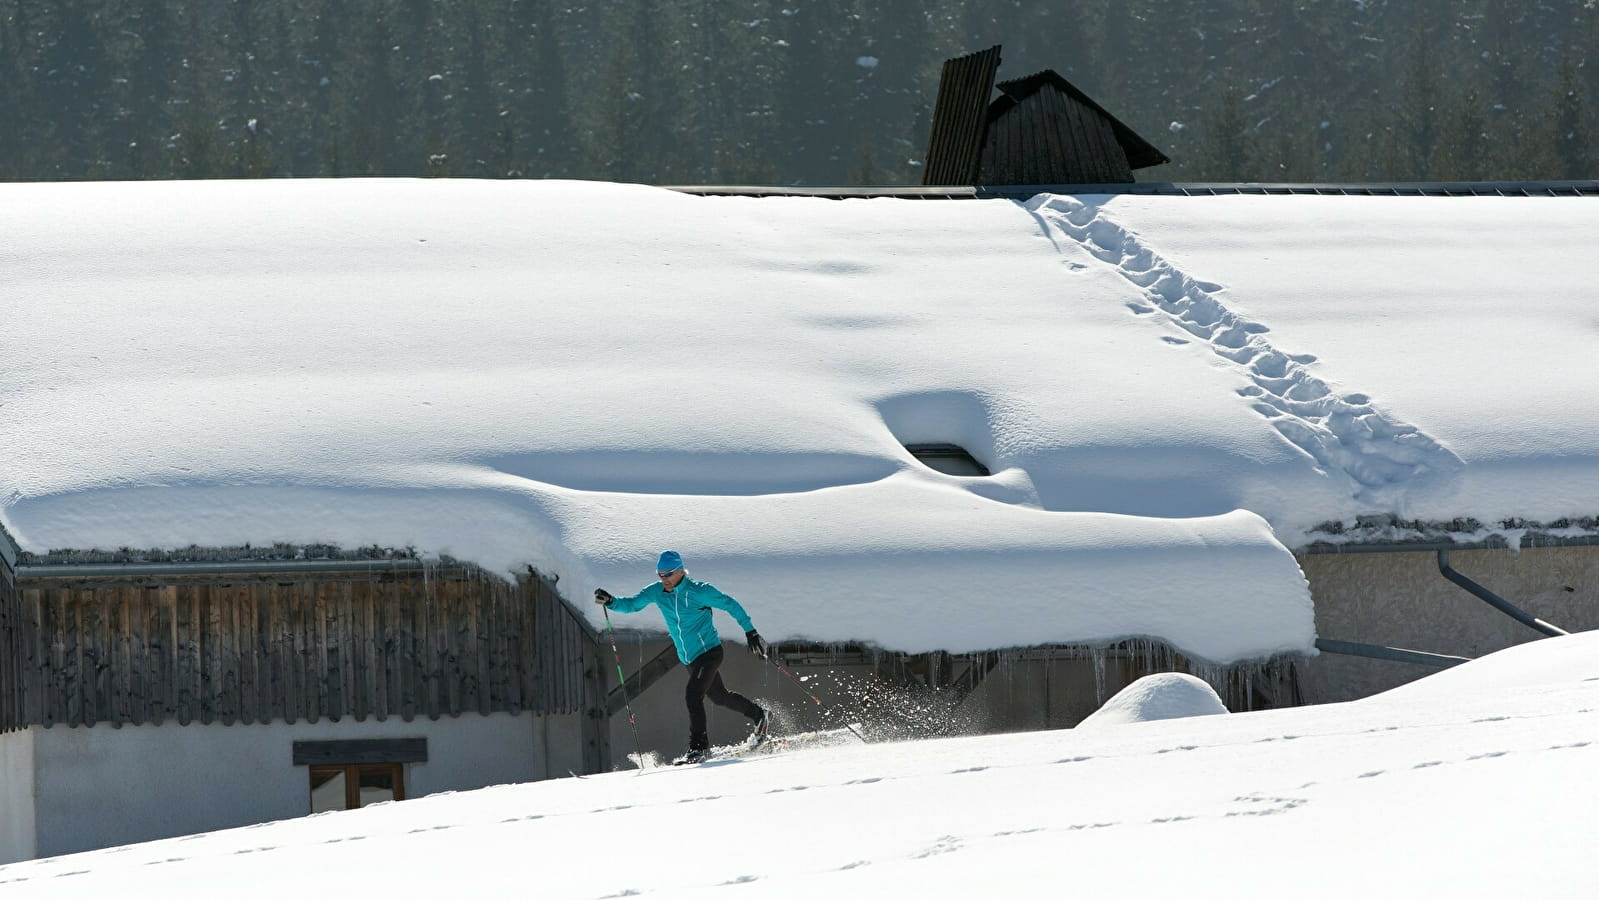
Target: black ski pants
{"x":705,"y":680}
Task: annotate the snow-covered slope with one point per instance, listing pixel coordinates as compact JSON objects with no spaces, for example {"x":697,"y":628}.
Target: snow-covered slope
{"x":1479,"y":787}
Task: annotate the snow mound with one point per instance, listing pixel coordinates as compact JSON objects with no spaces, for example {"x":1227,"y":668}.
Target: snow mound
{"x":1550,"y":662}
{"x":1167,"y":695}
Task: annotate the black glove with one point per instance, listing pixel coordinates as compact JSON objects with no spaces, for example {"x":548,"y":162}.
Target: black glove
{"x":603,"y":597}
{"x":757,"y":645}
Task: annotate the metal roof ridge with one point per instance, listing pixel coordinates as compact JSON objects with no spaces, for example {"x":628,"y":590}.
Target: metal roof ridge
{"x":230,"y":567}
{"x":1555,"y":188}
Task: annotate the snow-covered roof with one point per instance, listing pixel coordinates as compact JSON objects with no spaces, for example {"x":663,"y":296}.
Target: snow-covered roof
{"x":1170,"y":392}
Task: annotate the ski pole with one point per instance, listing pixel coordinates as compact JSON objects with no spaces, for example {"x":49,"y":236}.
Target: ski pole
{"x":814,"y":699}
{"x":621,"y":685}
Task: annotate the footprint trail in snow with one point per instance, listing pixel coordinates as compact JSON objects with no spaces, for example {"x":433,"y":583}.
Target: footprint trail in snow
{"x":1342,"y":433}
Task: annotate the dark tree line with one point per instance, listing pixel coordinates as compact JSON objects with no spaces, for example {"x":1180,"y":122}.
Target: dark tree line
{"x":784,"y":92}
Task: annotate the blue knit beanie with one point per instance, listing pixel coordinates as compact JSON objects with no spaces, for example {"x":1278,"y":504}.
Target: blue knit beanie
{"x":669,"y":562}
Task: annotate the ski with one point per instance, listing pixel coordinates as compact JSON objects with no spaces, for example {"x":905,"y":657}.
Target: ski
{"x":772,"y":744}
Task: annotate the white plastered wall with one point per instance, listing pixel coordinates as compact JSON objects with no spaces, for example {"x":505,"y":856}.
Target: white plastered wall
{"x":104,"y":786}
{"x":16,"y":796}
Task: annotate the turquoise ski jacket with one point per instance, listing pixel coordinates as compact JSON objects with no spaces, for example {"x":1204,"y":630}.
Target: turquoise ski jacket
{"x":687,"y":611}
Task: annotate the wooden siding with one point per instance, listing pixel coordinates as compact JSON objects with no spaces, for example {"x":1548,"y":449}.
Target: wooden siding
{"x":953,"y":142}
{"x":244,"y":648}
{"x":10,"y":651}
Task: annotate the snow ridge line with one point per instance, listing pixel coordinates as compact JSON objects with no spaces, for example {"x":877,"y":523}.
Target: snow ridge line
{"x":1382,"y":455}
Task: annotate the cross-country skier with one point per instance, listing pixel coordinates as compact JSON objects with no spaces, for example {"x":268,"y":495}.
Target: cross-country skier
{"x":686,"y":606}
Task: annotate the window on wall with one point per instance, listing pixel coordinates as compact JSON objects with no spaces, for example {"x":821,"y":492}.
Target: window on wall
{"x":355,"y":786}
{"x":353,"y":774}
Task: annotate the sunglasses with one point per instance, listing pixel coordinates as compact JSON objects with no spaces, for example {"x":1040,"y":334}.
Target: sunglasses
{"x":664,"y":574}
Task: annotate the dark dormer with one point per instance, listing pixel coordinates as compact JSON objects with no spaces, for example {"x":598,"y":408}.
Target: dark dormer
{"x":1040,"y":130}
{"x":951,"y":459}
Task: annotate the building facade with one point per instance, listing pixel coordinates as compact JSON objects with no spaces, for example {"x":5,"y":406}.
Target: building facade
{"x":147,"y":701}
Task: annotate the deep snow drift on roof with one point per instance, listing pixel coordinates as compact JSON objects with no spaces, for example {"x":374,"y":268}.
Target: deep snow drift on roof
{"x":573,"y":376}
{"x":1413,"y":346}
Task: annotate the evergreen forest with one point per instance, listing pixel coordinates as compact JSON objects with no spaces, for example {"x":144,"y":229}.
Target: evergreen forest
{"x":782,"y":92}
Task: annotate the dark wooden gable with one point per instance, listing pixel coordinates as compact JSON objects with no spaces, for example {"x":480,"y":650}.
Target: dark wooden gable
{"x":1041,"y":130}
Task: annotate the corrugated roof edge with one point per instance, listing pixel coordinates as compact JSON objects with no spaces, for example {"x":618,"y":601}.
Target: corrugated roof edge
{"x":1157,"y":188}
{"x":234,"y":567}
{"x":1530,"y":541}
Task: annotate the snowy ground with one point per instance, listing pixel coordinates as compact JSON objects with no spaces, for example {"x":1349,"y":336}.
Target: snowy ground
{"x":1476,"y":782}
